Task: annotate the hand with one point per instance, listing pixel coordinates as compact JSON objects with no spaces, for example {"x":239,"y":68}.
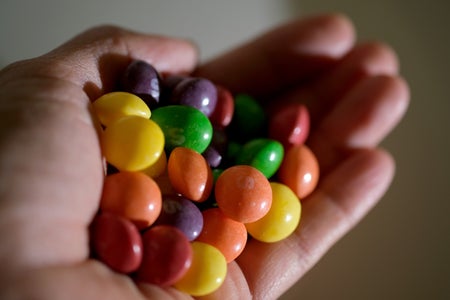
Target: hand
{"x":51,"y":168}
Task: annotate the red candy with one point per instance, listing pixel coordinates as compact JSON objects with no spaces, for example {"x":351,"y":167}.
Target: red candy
{"x":223,"y":113}
{"x":226,"y":234}
{"x":290,"y":125}
{"x":243,"y":193}
{"x":132,"y":195}
{"x":167,"y":256}
{"x":116,"y":242}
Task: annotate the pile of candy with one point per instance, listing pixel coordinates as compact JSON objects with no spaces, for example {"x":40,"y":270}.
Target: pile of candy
{"x":193,"y":172}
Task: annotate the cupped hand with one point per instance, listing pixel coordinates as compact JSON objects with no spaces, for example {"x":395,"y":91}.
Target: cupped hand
{"x":51,"y":170}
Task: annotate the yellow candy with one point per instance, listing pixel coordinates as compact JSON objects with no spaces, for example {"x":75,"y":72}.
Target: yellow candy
{"x":113,"y":106}
{"x":132,"y":143}
{"x":206,"y":273}
{"x":156,"y":169}
{"x":282,"y":218}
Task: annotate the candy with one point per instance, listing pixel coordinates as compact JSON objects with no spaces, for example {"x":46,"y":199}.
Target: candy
{"x":183,"y":214}
{"x":132,"y":143}
{"x":224,"y":110}
{"x":116,"y":242}
{"x":188,"y":182}
{"x":206,"y":273}
{"x":167,"y":256}
{"x":243,"y":193}
{"x":132,"y":195}
{"x":226,"y":234}
{"x":158,"y":167}
{"x":249,"y":119}
{"x":290,"y":124}
{"x":141,"y":78}
{"x":264,"y":154}
{"x":212,"y":156}
{"x":300,"y":170}
{"x":282,"y":218}
{"x":199,"y":93}
{"x":190,"y":174}
{"x":183,"y":126}
{"x":115,"y":105}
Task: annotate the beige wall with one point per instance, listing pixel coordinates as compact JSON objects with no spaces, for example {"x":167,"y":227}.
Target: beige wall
{"x":402,"y":249}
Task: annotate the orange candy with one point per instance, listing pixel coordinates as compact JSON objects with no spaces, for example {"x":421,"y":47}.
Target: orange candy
{"x":243,"y":193}
{"x":299,"y":170}
{"x":224,"y":233}
{"x":132,"y":195}
{"x":190,"y":174}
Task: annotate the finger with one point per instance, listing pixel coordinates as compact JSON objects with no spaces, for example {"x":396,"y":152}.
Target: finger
{"x":321,"y":95}
{"x":97,"y":57}
{"x":286,"y":55}
{"x":362,"y":119}
{"x":340,"y":201}
{"x":365,"y":60}
{"x":89,"y":280}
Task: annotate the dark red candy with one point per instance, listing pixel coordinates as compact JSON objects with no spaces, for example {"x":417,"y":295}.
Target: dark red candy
{"x":199,"y":93}
{"x":116,"y":242}
{"x":290,"y":125}
{"x":183,"y":214}
{"x":142,"y":79}
{"x":223,"y":113}
{"x":167,"y":256}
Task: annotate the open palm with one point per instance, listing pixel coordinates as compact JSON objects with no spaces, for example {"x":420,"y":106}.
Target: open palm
{"x":51,"y":171}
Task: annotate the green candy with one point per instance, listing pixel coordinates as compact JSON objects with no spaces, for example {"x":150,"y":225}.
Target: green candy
{"x":183,"y":126}
{"x":263,"y":154}
{"x":249,"y":119}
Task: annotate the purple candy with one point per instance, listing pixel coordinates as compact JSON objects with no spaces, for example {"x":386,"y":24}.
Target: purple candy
{"x":212,"y":156}
{"x":142,"y":79}
{"x":183,"y":214}
{"x":199,"y":93}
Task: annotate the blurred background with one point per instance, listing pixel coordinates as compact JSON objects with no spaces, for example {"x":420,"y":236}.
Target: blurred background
{"x":402,"y":249}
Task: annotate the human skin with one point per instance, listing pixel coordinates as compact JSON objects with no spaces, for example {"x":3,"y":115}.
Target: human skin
{"x":51,"y":170}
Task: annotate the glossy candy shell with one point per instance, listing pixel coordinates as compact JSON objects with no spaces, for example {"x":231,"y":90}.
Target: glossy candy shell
{"x":132,"y":195}
{"x":132,"y":143}
{"x":264,"y":154}
{"x":199,"y":93}
{"x":224,"y":233}
{"x":282,"y":218}
{"x":183,"y":126}
{"x":300,"y":170}
{"x":116,"y":242}
{"x":207,"y":272}
{"x":190,"y":174}
{"x":142,"y":79}
{"x":167,"y":256}
{"x":290,"y":125}
{"x":183,"y":214}
{"x":243,"y":193}
{"x":223,"y":113}
{"x":115,"y":105}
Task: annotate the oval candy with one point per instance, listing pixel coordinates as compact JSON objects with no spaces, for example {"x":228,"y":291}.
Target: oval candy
{"x":183,"y":126}
{"x":116,"y":242}
{"x":132,"y":143}
{"x":300,"y":170}
{"x":243,"y":193}
{"x":263,"y":154}
{"x":115,"y":105}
